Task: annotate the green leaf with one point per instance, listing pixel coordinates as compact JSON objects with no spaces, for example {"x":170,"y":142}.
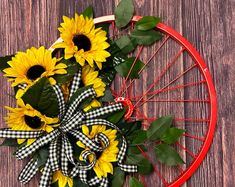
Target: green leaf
{"x":42,"y":97}
{"x":108,"y":96}
{"x":133,"y":149}
{"x":118,"y":177}
{"x":128,"y":128}
{"x":146,"y":37}
{"x":104,"y":26}
{"x":3,"y":62}
{"x":124,"y":68}
{"x":88,"y":12}
{"x":167,"y":155}
{"x":123,"y":13}
{"x":55,"y":184}
{"x":117,"y":116}
{"x":126,"y":44}
{"x":42,"y":155}
{"x":144,"y":166}
{"x":159,"y":127}
{"x":10,"y":142}
{"x":133,"y":182}
{"x":147,"y":23}
{"x":138,"y":137}
{"x":172,"y":135}
{"x":107,"y":76}
{"x":72,"y":69}
{"x":78,"y":183}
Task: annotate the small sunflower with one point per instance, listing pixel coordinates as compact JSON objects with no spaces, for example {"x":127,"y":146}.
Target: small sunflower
{"x":83,"y":41}
{"x":104,"y":160}
{"x":27,"y":67}
{"x":63,"y":181}
{"x":90,"y":77}
{"x":94,"y":104}
{"x":28,"y":119}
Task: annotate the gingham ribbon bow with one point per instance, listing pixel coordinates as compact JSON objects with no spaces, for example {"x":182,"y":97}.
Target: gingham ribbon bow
{"x":59,"y":146}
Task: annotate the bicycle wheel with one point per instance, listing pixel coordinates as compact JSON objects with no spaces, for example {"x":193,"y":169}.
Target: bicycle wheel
{"x":174,"y":80}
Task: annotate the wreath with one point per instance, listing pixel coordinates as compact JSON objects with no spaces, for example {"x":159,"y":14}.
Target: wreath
{"x":68,"y":122}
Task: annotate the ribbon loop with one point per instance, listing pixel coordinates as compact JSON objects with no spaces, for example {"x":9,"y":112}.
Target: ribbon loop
{"x":8,"y":133}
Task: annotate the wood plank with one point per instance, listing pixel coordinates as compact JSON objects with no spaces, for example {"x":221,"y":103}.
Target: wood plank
{"x":209,"y":25}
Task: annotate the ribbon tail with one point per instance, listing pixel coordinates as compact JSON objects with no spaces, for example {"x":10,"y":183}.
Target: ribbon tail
{"x":103,"y":182}
{"x":66,"y":155}
{"x":29,"y":171}
{"x":46,"y":177}
{"x":128,"y":168}
{"x":75,"y":83}
{"x":103,"y":111}
{"x":8,"y":133}
{"x":53,"y":156}
{"x":28,"y":150}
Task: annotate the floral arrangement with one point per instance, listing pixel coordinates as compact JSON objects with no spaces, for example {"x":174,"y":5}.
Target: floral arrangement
{"x":67,"y":121}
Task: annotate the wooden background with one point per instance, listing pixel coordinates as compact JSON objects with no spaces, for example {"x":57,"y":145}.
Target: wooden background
{"x":208,"y":24}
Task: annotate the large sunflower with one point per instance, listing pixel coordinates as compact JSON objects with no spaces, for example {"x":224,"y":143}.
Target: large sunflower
{"x":103,"y":164}
{"x":62,"y":180}
{"x":28,"y":119}
{"x":83,"y":41}
{"x":26,"y":67}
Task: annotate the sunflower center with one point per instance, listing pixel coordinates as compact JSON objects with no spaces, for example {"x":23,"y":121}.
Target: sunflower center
{"x":82,"y":42}
{"x":33,"y":122}
{"x":35,"y":72}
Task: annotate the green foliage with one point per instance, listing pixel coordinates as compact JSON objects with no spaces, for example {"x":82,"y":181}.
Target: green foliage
{"x":108,"y":96}
{"x":117,"y":116}
{"x":42,"y":97}
{"x":167,"y":155}
{"x":144,"y":166}
{"x":88,"y":12}
{"x":126,"y":44}
{"x":133,"y":149}
{"x":104,"y":26}
{"x":107,"y":76}
{"x":10,"y":142}
{"x":123,"y":13}
{"x":118,"y":178}
{"x":72,"y":69}
{"x":159,"y":127}
{"x":124,"y":68}
{"x":133,"y":182}
{"x":147,"y":23}
{"x":146,"y":37}
{"x":172,"y":135}
{"x":78,"y":183}
{"x":41,"y":156}
{"x":137,"y":137}
{"x":3,"y":62}
{"x":128,"y":128}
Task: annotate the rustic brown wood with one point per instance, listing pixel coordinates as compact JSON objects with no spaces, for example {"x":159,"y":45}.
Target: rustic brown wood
{"x":208,"y":25}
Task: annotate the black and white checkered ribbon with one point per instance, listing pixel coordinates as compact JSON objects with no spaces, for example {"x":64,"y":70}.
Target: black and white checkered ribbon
{"x":60,"y":149}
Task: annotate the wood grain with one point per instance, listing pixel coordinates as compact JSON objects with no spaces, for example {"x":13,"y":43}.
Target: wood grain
{"x":208,"y":24}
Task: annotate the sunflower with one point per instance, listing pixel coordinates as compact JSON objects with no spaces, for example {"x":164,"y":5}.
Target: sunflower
{"x":94,"y":104}
{"x":103,"y":164}
{"x":63,"y":181}
{"x":28,"y":119}
{"x":90,"y":77}
{"x":27,"y":67}
{"x":83,"y":41}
